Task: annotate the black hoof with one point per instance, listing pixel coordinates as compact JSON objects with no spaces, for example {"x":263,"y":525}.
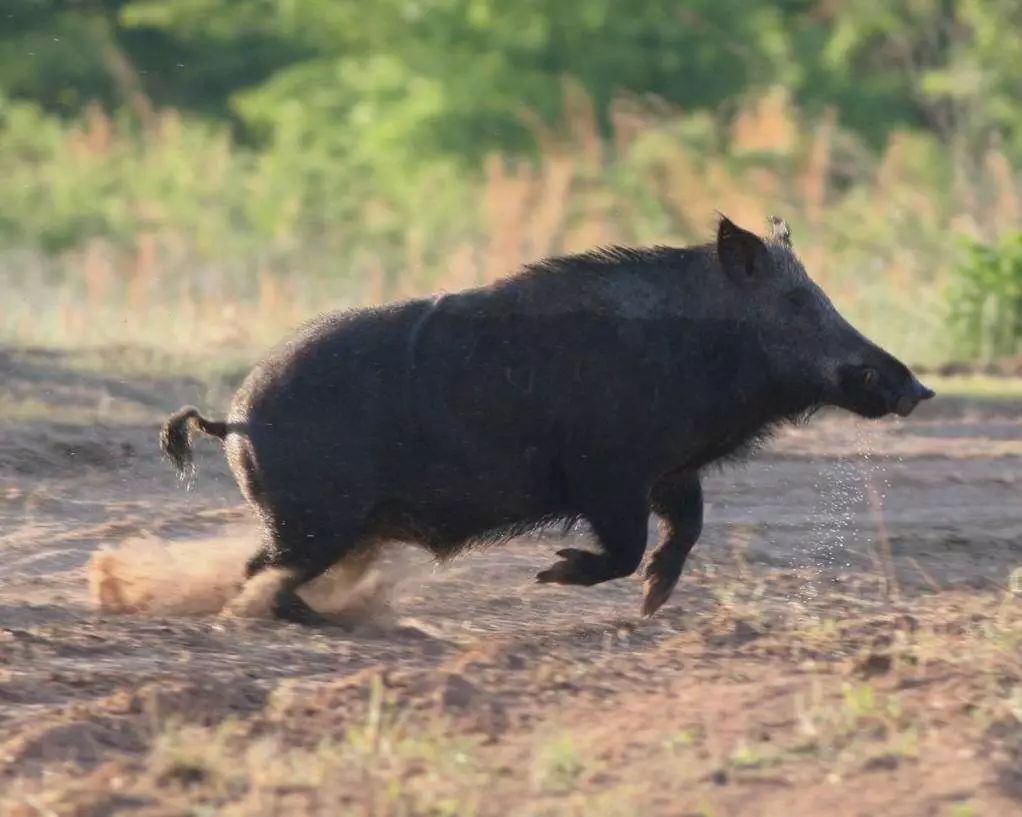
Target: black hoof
{"x":580,"y":567}
{"x":289,"y":607}
{"x":658,"y":591}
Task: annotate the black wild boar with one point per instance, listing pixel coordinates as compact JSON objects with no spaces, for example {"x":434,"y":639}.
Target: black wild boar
{"x":595,"y":387}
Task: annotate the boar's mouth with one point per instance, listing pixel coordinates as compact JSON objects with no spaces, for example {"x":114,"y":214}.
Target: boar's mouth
{"x":875,"y":391}
{"x":917,"y":393}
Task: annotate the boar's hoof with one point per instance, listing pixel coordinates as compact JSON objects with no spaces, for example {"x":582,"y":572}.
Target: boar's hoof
{"x":576,"y":567}
{"x":287,"y":606}
{"x":658,"y":591}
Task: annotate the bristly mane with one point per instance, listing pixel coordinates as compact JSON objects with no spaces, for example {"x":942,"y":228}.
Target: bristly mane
{"x":601,"y":258}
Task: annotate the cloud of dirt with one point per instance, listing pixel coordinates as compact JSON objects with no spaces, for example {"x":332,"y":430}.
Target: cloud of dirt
{"x":150,"y":576}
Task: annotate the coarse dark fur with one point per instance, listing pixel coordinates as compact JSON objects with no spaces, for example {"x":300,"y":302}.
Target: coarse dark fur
{"x":595,"y":386}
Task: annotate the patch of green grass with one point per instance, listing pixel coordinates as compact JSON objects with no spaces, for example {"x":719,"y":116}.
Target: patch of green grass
{"x":558,"y":765}
{"x":681,"y":742}
{"x":381,"y":766}
{"x":191,"y":755}
{"x":754,"y":755}
{"x":861,"y":716}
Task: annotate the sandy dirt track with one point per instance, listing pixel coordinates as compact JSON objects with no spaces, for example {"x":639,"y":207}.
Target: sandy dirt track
{"x":846,"y":639}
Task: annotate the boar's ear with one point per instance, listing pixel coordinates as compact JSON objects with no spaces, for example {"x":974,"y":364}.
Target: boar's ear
{"x":742,"y":255}
{"x":780,"y":231}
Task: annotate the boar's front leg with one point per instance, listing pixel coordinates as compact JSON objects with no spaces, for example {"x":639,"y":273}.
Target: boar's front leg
{"x":620,"y":525}
{"x":678,"y":499}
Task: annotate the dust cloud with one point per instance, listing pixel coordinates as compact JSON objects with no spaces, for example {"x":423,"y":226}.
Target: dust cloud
{"x":150,"y":576}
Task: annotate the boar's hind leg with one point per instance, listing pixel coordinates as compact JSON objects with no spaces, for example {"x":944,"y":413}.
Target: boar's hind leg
{"x":678,"y":500}
{"x":302,"y":547}
{"x":289,"y":606}
{"x":621,"y":529}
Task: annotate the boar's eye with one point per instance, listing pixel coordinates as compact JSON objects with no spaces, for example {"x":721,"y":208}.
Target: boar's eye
{"x":799,"y":298}
{"x":870,"y":376}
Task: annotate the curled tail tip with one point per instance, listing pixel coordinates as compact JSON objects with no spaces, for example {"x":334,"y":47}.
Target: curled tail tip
{"x":175,"y":440}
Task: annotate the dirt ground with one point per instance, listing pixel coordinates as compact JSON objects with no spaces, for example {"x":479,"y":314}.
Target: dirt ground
{"x":847,"y":639}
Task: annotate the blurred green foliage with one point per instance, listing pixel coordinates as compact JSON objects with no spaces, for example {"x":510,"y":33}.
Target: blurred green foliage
{"x":357,"y":138}
{"x":986,"y":299}
{"x":390,"y":85}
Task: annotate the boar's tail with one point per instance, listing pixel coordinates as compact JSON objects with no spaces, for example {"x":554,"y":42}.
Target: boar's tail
{"x":175,"y":436}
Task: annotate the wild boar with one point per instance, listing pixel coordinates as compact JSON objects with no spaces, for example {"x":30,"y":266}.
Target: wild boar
{"x":595,"y":386}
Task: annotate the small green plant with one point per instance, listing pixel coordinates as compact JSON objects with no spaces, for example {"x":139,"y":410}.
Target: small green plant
{"x":188,"y":754}
{"x":681,"y":742}
{"x":753,"y":756}
{"x":860,"y":701}
{"x":558,"y":765}
{"x":861,"y":716}
{"x":985,"y":300}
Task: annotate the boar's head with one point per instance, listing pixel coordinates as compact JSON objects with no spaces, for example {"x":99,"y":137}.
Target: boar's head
{"x":810,"y":347}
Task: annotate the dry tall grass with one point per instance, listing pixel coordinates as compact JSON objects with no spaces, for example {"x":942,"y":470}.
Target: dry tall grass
{"x":877,"y":231}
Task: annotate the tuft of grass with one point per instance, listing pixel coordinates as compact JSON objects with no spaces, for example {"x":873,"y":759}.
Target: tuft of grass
{"x":754,"y":755}
{"x":191,"y":755}
{"x":862,"y":718}
{"x":381,"y":767}
{"x":681,"y":742}
{"x":558,"y":766}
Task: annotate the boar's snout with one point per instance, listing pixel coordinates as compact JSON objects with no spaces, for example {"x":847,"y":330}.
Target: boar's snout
{"x":911,"y":398}
{"x":880,"y":385}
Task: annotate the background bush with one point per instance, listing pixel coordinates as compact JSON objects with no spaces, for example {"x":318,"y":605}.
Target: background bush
{"x":205,"y":164}
{"x":986,"y":299}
